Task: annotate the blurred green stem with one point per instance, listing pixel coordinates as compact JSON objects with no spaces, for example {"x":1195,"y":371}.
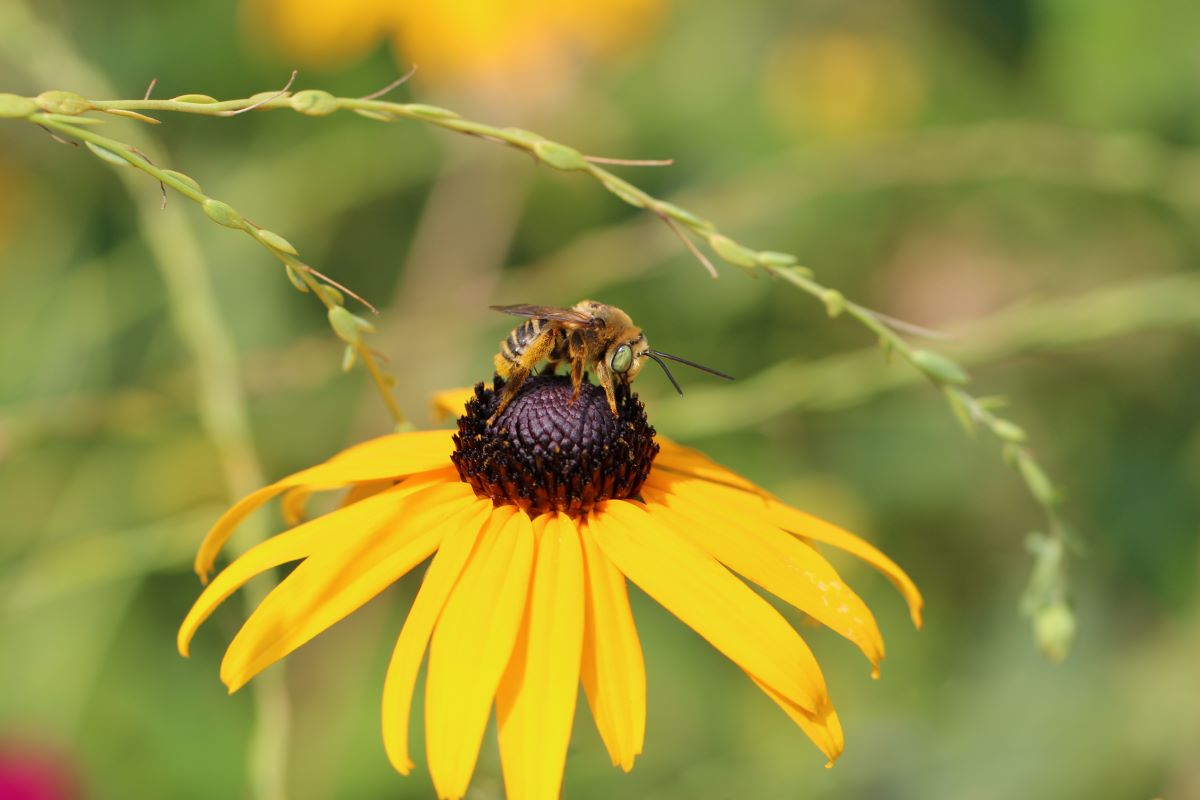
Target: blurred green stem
{"x":445,"y":272}
{"x":225,"y":418}
{"x":221,"y":403}
{"x":1171,"y":302}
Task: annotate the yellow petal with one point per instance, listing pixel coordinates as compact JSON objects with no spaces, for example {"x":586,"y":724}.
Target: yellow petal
{"x":535,"y":703}
{"x":325,"y":532}
{"x":293,"y":545}
{"x":470,"y":648}
{"x":823,"y":728}
{"x":361,"y":491}
{"x":741,"y":536}
{"x":440,"y":579}
{"x":613,"y":673}
{"x":706,"y":597}
{"x":295,"y":501}
{"x":383,"y":538}
{"x":386,"y":457}
{"x":674,"y":458}
{"x":394,"y":454}
{"x":451,"y":403}
{"x":810,"y":527}
{"x":686,"y":461}
{"x":293,"y":504}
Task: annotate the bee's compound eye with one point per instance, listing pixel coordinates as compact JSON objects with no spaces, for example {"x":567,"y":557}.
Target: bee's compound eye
{"x":622,"y":359}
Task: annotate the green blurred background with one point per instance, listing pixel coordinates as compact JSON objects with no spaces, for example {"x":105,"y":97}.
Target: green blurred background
{"x":1024,"y":175}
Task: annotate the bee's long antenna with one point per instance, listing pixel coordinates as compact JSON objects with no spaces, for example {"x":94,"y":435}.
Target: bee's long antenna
{"x":663,"y":364}
{"x":700,"y":367}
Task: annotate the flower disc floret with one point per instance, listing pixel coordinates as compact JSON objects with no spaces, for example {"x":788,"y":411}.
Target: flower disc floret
{"x":550,"y":451}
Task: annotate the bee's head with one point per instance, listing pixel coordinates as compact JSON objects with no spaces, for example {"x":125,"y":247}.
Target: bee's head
{"x":625,"y":358}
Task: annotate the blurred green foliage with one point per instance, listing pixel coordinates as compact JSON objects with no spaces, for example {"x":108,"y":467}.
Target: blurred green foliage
{"x":1023,"y":174}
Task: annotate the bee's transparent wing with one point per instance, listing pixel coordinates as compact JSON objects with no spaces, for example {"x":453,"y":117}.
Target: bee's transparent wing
{"x":566,"y":315}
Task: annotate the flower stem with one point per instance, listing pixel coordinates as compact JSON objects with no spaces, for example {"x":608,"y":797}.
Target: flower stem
{"x":226,"y":215}
{"x":222,"y":406}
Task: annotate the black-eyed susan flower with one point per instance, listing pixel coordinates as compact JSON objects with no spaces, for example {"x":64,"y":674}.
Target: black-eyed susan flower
{"x":532,"y":526}
{"x":463,"y":40}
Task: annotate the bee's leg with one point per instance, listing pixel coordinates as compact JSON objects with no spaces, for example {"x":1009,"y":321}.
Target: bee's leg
{"x":503,"y":366}
{"x":577,"y":377}
{"x":578,"y":357}
{"x":606,"y":380}
{"x":508,"y":371}
{"x":522,"y":368}
{"x":511,"y":385}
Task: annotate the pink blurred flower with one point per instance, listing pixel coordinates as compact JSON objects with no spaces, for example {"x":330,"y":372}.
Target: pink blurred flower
{"x":30,"y":772}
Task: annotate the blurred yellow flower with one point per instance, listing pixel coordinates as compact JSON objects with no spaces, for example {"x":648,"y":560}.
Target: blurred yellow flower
{"x":534,"y":524}
{"x":457,"y":39}
{"x":843,"y":83}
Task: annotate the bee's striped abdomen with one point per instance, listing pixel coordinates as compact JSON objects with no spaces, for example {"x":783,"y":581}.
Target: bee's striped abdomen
{"x":520,"y":338}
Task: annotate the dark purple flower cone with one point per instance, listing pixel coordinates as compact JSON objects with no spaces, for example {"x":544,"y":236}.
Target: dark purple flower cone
{"x":546,"y":453}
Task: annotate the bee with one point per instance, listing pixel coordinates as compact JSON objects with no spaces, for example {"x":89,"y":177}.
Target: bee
{"x":589,"y":334}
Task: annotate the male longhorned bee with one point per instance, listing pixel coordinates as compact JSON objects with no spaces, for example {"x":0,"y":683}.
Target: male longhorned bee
{"x":589,"y":334}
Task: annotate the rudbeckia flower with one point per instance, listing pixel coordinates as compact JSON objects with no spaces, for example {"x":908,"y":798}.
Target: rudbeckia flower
{"x":462,"y":39}
{"x":532,"y":526}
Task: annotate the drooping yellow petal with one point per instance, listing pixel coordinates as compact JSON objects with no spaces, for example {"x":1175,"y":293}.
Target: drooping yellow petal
{"x":386,"y":457}
{"x":706,"y":597}
{"x":325,"y":532}
{"x":535,"y":703}
{"x":295,"y":501}
{"x":810,"y":527}
{"x":451,"y":403}
{"x":470,"y":648}
{"x":440,"y":579}
{"x":395,"y":532}
{"x":292,"y":505}
{"x":823,"y":728}
{"x":741,"y":536}
{"x":613,"y":672}
{"x":292,"y":545}
{"x":685,"y":461}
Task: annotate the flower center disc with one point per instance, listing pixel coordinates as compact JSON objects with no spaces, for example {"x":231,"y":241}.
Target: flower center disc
{"x":547,"y":453}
